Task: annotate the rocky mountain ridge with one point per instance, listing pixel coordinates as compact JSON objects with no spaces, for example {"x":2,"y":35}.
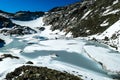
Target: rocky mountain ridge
{"x":9,"y":28}
{"x":27,"y":15}
{"x":84,"y":18}
{"x":22,"y":15}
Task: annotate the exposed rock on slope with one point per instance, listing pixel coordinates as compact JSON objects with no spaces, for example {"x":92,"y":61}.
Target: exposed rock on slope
{"x":6,"y":14}
{"x":39,"y":73}
{"x":18,"y":30}
{"x":5,"y":22}
{"x":26,"y":15}
{"x":111,"y":36}
{"x":84,"y":18}
{"x":8,"y":27}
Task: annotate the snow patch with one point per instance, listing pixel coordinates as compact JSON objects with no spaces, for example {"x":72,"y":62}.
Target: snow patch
{"x":105,"y":23}
{"x":108,"y":12}
{"x":51,"y":45}
{"x":115,"y":2}
{"x":86,"y":14}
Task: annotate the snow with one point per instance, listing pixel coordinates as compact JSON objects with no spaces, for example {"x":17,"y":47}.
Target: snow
{"x":4,"y":15}
{"x":111,"y":30}
{"x":61,"y":66}
{"x":105,"y":23}
{"x":7,"y":64}
{"x":69,"y":45}
{"x":110,"y":61}
{"x":115,"y":2}
{"x":108,"y":12}
{"x":48,"y":40}
{"x":87,"y":31}
{"x":7,"y":39}
{"x":86,"y":14}
{"x":46,"y":61}
{"x":32,"y":24}
{"x":113,"y":34}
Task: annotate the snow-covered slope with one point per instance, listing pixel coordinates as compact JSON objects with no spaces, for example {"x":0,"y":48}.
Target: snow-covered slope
{"x":38,"y":23}
{"x":111,"y":36}
{"x":111,"y":30}
{"x":109,"y":61}
{"x":34,"y":23}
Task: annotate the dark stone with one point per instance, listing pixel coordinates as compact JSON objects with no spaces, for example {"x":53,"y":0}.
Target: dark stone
{"x":41,"y":28}
{"x":2,"y":42}
{"x":10,"y":56}
{"x":29,"y":62}
{"x":0,"y":59}
{"x":106,"y":38}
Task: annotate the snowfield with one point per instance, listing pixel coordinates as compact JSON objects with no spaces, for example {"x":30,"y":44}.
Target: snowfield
{"x":7,"y":39}
{"x":111,"y":36}
{"x":104,"y":57}
{"x":54,"y":49}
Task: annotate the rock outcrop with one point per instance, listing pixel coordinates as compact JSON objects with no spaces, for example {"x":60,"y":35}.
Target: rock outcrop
{"x":18,"y":30}
{"x":5,"y":22}
{"x":39,"y":73}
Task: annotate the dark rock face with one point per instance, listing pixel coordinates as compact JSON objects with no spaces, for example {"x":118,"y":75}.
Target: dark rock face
{"x":2,"y":42}
{"x":18,"y":30}
{"x":8,"y":56}
{"x":39,"y":73}
{"x":83,"y":18}
{"x":41,"y":28}
{"x":5,"y":22}
{"x":29,"y":62}
{"x":26,"y":15}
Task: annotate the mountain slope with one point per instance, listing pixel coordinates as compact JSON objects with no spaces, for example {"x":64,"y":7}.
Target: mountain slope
{"x":50,"y":49}
{"x":111,"y":36}
{"x":36,"y":44}
{"x":22,"y":15}
{"x":84,"y":18}
{"x":5,"y":22}
{"x":27,"y":15}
